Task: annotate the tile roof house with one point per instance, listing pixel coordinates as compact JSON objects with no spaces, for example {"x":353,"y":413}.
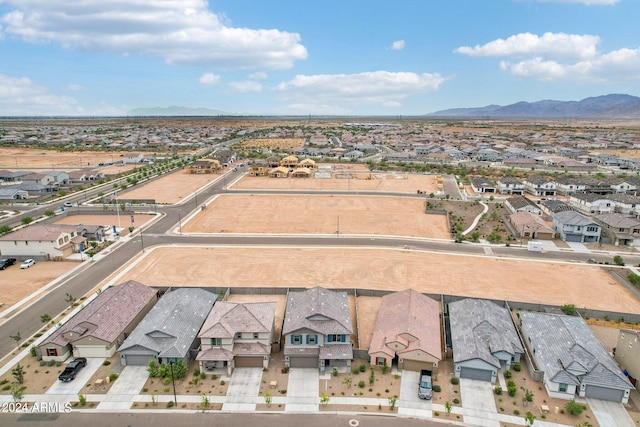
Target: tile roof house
{"x":572,"y":358}
{"x":508,"y":185}
{"x":168,"y":333}
{"x":484,"y":339}
{"x":317,"y":329}
{"x":531,"y":226}
{"x":407,"y":328}
{"x":101,"y":327}
{"x":481,"y":185}
{"x":620,"y":229}
{"x":540,"y":186}
{"x":49,"y":241}
{"x":522,"y":204}
{"x":572,"y":226}
{"x":237,"y":335}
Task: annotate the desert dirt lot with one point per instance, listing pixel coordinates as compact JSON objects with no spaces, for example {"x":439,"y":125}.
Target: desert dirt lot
{"x":398,"y":183}
{"x":318,"y":215}
{"x":24,"y":282}
{"x":25,"y":158}
{"x":480,"y":277}
{"x":171,"y":188}
{"x":280,"y":143}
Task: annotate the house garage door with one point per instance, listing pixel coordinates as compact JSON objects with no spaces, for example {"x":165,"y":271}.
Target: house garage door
{"x":604,"y":393}
{"x":248,"y":362}
{"x":137,"y":359}
{"x":573,"y":238}
{"x":414,"y":365}
{"x":303,"y":362}
{"x":475,"y":374}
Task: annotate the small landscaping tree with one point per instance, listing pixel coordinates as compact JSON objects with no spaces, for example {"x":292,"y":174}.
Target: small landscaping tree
{"x":447,"y":407}
{"x":324,"y":399}
{"x":569,"y":309}
{"x":17,"y":392}
{"x":618,"y":260}
{"x":529,"y":418}
{"x":392,"y":402}
{"x":26,"y":220}
{"x":49,"y":213}
{"x":267,"y":398}
{"x":45,"y":318}
{"x":347,"y":381}
{"x":16,"y":338}
{"x":574,"y":408}
{"x":18,"y":374}
{"x":204,"y":402}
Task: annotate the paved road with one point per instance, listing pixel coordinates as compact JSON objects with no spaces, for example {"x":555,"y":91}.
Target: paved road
{"x":27,"y":322}
{"x":450,"y":187}
{"x":165,"y":418}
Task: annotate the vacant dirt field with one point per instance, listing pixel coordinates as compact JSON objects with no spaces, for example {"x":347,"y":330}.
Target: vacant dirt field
{"x":318,"y":215}
{"x":116,"y":169}
{"x":480,"y":277}
{"x":25,"y":158}
{"x":273,"y":143}
{"x":398,"y":183}
{"x":171,"y":188}
{"x":18,"y":284}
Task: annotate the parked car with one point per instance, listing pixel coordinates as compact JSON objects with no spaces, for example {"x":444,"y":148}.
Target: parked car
{"x":27,"y":263}
{"x":424,"y":386}
{"x":68,"y":204}
{"x":72,"y":369}
{"x":6,"y":262}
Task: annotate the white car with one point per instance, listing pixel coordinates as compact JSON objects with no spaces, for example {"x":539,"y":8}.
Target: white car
{"x":27,"y":263}
{"x":68,"y":204}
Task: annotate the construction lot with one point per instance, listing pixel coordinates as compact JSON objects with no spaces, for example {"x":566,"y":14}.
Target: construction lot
{"x":302,"y":214}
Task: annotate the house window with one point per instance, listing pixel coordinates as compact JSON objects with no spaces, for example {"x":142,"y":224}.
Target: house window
{"x":238,"y":335}
{"x":578,"y":228}
{"x":594,"y":229}
{"x":255,"y":336}
{"x":380,"y":361}
{"x":52,"y":352}
{"x":216,"y":342}
{"x":563,"y":387}
{"x":296,"y":339}
{"x":312,"y":339}
{"x":335,"y":338}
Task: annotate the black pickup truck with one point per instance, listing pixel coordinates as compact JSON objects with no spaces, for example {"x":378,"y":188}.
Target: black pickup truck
{"x":72,"y":369}
{"x":6,"y":262}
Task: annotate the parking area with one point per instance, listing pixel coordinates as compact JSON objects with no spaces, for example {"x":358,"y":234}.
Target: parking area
{"x":610,"y":413}
{"x":75,"y":386}
{"x":244,"y":388}
{"x":408,"y":402}
{"x":478,"y":403}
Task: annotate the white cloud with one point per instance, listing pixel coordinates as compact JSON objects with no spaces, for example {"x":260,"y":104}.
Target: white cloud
{"x":259,"y":75}
{"x":73,"y":87}
{"x":555,"y":45}
{"x":393,"y":104}
{"x":323,"y":109}
{"x":246,"y":86}
{"x":376,"y":87}
{"x":615,"y":66}
{"x":181,"y":32}
{"x":209,"y":79}
{"x":397,"y":45}
{"x":19,"y":96}
{"x":586,"y":2}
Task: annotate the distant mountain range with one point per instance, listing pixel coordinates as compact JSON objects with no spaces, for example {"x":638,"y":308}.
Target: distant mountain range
{"x":606,"y":106}
{"x":174,"y":111}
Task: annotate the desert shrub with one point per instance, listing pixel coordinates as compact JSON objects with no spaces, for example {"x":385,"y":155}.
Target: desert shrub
{"x":618,"y":260}
{"x":517,"y":367}
{"x":362,"y":368}
{"x":106,"y":363}
{"x":170,"y":404}
{"x":569,"y":309}
{"x":497,"y":390}
{"x":574,"y":408}
{"x":113,"y":377}
{"x":455,"y":380}
{"x":456,"y":400}
{"x":508,"y":374}
{"x":361,"y":384}
{"x":511,"y":390}
{"x":633,"y":278}
{"x":436,"y":389}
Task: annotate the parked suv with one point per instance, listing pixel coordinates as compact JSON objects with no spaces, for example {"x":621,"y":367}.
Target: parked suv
{"x":6,"y":262}
{"x":72,"y":369}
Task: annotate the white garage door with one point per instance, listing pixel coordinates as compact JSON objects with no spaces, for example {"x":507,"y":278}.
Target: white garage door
{"x":91,"y":351}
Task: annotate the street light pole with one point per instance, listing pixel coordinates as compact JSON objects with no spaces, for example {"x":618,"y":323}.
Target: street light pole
{"x":175,"y":399}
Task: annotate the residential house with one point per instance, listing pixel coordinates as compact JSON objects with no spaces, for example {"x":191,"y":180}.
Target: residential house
{"x":225,"y":157}
{"x":619,"y":229}
{"x":627,"y":353}
{"x":540,"y":186}
{"x":308,"y":163}
{"x":353,"y":154}
{"x":102,"y":325}
{"x":484,"y":339}
{"x":42,"y":241}
{"x":237,"y":335}
{"x":572,"y":226}
{"x":84,"y":175}
{"x":133,"y":158}
{"x":272,"y":161}
{"x":301,"y":173}
{"x":259,"y":168}
{"x":59,"y":177}
{"x":481,"y":185}
{"x":626,"y":204}
{"x":407,"y":332}
{"x":551,"y":206}
{"x":567,"y":186}
{"x":531,"y":226}
{"x":488,"y":155}
{"x":573,"y":360}
{"x":508,"y":185}
{"x":8,"y":176}
{"x":591,"y":203}
{"x":279,"y":172}
{"x":205,"y":166}
{"x":317,"y":329}
{"x":290,"y":162}
{"x":45,"y":180}
{"x":13,"y":194}
{"x":169,"y":332}
{"x":522,"y":204}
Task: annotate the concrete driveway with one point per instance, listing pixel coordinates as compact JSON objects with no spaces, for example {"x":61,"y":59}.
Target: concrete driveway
{"x":409,"y":404}
{"x":610,"y":413}
{"x":303,"y":390}
{"x":128,"y":385}
{"x":83,"y":377}
{"x":478,"y":403}
{"x":244,"y":388}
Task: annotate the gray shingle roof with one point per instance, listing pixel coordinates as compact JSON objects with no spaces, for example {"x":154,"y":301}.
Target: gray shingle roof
{"x":566,"y":349}
{"x":227,"y":318}
{"x":173,"y":323}
{"x":480,"y":328}
{"x":318,"y":309}
{"x":573,"y":218}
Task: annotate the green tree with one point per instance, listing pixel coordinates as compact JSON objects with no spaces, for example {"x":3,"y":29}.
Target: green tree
{"x":17,"y":392}
{"x":447,"y":407}
{"x":529,"y":418}
{"x":618,"y":260}
{"x":71,"y":300}
{"x":324,"y":399}
{"x":26,"y":220}
{"x":18,"y":373}
{"x":574,"y":408}
{"x":392,"y":402}
{"x":204,"y":402}
{"x":4,"y":229}
{"x":16,"y":338}
{"x":49,"y":213}
{"x":45,"y":318}
{"x":267,"y":398}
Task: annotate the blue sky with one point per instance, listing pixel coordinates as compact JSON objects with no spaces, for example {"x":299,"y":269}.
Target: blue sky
{"x":271,"y":57}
